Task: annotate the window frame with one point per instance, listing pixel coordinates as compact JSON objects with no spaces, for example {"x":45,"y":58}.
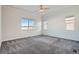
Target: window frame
{"x":28,"y":23}
{"x":70,"y":23}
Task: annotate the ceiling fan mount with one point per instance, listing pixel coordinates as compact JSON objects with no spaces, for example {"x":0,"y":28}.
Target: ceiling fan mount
{"x":43,"y":8}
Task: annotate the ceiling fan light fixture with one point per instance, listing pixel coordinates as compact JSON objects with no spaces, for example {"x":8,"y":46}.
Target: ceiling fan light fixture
{"x":43,"y":8}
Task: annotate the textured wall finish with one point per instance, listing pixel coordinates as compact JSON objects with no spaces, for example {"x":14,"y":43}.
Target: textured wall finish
{"x":0,"y":25}
{"x":57,"y":26}
{"x":12,"y":25}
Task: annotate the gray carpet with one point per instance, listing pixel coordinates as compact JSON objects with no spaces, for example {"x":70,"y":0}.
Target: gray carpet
{"x":41,"y":44}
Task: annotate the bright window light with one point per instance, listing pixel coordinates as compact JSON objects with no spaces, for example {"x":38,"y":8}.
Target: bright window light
{"x":70,"y":23}
{"x":45,"y":25}
{"x":26,"y":23}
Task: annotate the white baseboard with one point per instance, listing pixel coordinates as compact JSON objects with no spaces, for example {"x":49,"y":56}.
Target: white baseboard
{"x":63,"y":37}
{"x":19,"y":37}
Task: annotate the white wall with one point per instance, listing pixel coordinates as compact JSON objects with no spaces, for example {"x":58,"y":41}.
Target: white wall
{"x":56,"y":25}
{"x":11,"y":24}
{"x":0,"y":26}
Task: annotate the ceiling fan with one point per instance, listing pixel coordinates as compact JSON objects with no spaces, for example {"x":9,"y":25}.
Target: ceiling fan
{"x":43,"y":8}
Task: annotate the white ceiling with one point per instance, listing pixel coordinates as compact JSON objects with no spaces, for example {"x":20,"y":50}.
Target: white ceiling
{"x":51,"y":8}
{"x":35,"y":8}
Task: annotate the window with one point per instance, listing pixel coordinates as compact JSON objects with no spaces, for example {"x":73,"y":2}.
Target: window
{"x":27,"y":23}
{"x":70,"y":23}
{"x":45,"y":25}
{"x":39,"y":25}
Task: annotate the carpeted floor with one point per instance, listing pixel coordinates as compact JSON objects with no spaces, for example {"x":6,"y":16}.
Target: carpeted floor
{"x":41,"y":44}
